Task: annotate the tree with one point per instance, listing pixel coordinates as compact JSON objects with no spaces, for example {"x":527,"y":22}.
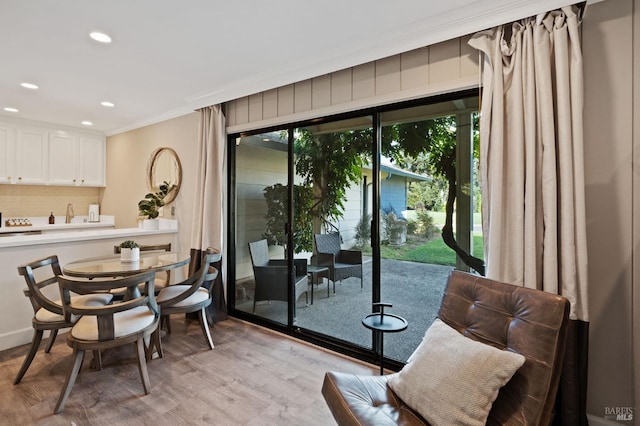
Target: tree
{"x":331,"y":162}
{"x":430,"y":146}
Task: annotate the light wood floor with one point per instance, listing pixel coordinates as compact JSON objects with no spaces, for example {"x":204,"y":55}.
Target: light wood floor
{"x":253,"y":377}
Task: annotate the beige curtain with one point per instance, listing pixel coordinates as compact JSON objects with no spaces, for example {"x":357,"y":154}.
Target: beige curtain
{"x":210,"y":188}
{"x":531,"y":157}
{"x":209,"y":208}
{"x":532,"y":174}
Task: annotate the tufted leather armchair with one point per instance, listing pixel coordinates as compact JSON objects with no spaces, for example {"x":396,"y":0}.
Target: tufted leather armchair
{"x":530,"y":322}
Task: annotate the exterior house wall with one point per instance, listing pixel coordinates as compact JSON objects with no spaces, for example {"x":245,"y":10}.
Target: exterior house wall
{"x":256,"y":168}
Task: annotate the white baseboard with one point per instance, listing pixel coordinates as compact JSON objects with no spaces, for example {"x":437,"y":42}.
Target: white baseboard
{"x":16,"y":338}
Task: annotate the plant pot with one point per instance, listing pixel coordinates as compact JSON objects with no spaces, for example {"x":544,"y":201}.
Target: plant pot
{"x":130,"y":254}
{"x":151,"y":224}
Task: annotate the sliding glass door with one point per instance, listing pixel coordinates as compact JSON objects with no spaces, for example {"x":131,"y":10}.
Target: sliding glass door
{"x":334,"y":215}
{"x":261,"y":206}
{"x":332,"y":225}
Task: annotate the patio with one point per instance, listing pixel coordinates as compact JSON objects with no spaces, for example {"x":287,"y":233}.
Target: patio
{"x":414,"y":289}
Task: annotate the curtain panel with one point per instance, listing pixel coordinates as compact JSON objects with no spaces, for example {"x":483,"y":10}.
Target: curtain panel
{"x":208,"y":210}
{"x":532,"y":172}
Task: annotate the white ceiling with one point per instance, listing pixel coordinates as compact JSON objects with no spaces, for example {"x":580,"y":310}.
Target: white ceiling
{"x":170,"y":57}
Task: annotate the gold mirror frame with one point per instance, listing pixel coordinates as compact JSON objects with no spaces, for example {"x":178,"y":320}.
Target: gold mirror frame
{"x":164,"y":165}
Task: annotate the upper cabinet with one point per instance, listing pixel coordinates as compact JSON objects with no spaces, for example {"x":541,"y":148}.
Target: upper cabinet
{"x":7,"y":154}
{"x":31,"y":167}
{"x":76,"y":160}
{"x":41,"y":156}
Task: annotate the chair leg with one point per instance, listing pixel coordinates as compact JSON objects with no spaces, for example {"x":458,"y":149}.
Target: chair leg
{"x":202,"y":317}
{"x":35,"y":344}
{"x":154,"y":342}
{"x":78,"y":356}
{"x":142,"y":365}
{"x":52,"y":338}
{"x":166,"y":320}
{"x":96,"y":362}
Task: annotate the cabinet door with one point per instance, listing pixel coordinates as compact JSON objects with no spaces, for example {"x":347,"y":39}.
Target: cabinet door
{"x":92,"y":161}
{"x":31,"y":156}
{"x":63,"y":159}
{"x":7,"y":153}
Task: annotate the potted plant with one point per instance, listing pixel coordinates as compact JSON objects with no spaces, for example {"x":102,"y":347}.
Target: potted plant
{"x":129,"y":251}
{"x":149,"y":207}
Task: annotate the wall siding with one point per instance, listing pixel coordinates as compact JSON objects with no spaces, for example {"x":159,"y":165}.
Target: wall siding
{"x":441,"y":68}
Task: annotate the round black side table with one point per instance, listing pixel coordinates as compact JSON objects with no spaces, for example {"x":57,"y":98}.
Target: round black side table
{"x":382,"y":323}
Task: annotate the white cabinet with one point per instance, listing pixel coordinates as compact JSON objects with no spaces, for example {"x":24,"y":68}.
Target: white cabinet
{"x":34,"y":155}
{"x":63,"y":159}
{"x":31,"y":156}
{"x":76,"y":160}
{"x":7,"y":153}
{"x":92,"y":161}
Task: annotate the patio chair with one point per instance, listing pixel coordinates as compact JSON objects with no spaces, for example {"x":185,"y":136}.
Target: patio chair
{"x":341,"y":263}
{"x":271,"y":275}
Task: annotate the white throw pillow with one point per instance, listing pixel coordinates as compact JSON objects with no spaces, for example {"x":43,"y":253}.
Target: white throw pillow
{"x":453,"y":380}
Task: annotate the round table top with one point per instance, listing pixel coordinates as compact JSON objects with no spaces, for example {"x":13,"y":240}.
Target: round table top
{"x":112,"y":266}
{"x":387,"y":323}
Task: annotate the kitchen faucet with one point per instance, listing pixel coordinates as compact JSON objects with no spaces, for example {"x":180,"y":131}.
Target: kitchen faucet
{"x":69,"y":215}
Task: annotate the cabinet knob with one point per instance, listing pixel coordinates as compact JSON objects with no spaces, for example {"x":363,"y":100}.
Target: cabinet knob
{"x":74,"y":181}
{"x":82,"y":181}
{"x":20,"y":178}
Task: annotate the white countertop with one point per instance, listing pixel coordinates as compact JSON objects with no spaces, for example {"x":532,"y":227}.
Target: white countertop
{"x":42,"y":224}
{"x":82,"y":232}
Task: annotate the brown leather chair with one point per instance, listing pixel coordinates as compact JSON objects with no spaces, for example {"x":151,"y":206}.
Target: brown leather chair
{"x":530,"y":322}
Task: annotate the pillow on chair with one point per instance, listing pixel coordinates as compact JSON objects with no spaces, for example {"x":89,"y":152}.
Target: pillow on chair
{"x":452,"y":379}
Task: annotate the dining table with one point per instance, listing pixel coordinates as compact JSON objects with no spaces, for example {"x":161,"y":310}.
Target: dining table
{"x":113,"y":266}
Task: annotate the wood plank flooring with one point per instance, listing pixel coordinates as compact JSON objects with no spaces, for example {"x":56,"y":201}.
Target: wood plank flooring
{"x":253,"y":377}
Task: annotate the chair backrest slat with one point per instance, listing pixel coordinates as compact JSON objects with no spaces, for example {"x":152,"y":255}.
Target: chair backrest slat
{"x":35,"y":286}
{"x":259,"y":251}
{"x":328,"y":243}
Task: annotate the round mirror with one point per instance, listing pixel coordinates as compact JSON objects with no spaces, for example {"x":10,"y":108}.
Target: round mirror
{"x":164,"y":165}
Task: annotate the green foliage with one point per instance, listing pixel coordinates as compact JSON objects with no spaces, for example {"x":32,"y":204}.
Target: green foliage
{"x":363,"y":231}
{"x":331,"y":162}
{"x":129,"y":244}
{"x":276,"y":197}
{"x":393,"y":224}
{"x":150,"y":205}
{"x":423,"y":225}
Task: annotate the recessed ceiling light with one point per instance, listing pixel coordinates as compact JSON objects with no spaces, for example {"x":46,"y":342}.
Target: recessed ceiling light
{"x":101,"y":37}
{"x":87,"y":123}
{"x":107,"y":104}
{"x":11,"y":109}
{"x":29,"y":85}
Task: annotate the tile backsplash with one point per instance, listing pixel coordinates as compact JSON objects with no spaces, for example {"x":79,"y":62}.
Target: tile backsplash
{"x":30,"y":201}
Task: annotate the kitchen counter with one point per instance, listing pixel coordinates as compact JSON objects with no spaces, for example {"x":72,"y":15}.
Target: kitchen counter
{"x":41,"y":225}
{"x":69,"y":243}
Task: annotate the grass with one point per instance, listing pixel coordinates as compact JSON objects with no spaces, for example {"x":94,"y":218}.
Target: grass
{"x":433,"y":251}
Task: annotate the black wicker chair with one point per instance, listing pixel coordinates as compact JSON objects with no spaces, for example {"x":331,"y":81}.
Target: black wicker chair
{"x":271,"y":275}
{"x":341,"y":263}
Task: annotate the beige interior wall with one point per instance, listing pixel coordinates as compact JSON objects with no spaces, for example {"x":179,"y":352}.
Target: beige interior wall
{"x":609,"y":147}
{"x":127,"y":157}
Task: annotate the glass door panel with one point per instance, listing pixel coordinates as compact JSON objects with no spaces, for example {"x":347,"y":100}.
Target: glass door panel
{"x":261,"y":271}
{"x":417,"y":170}
{"x":332,"y":226}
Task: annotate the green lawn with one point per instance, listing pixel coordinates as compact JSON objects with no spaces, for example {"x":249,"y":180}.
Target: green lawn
{"x":434,"y":251}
